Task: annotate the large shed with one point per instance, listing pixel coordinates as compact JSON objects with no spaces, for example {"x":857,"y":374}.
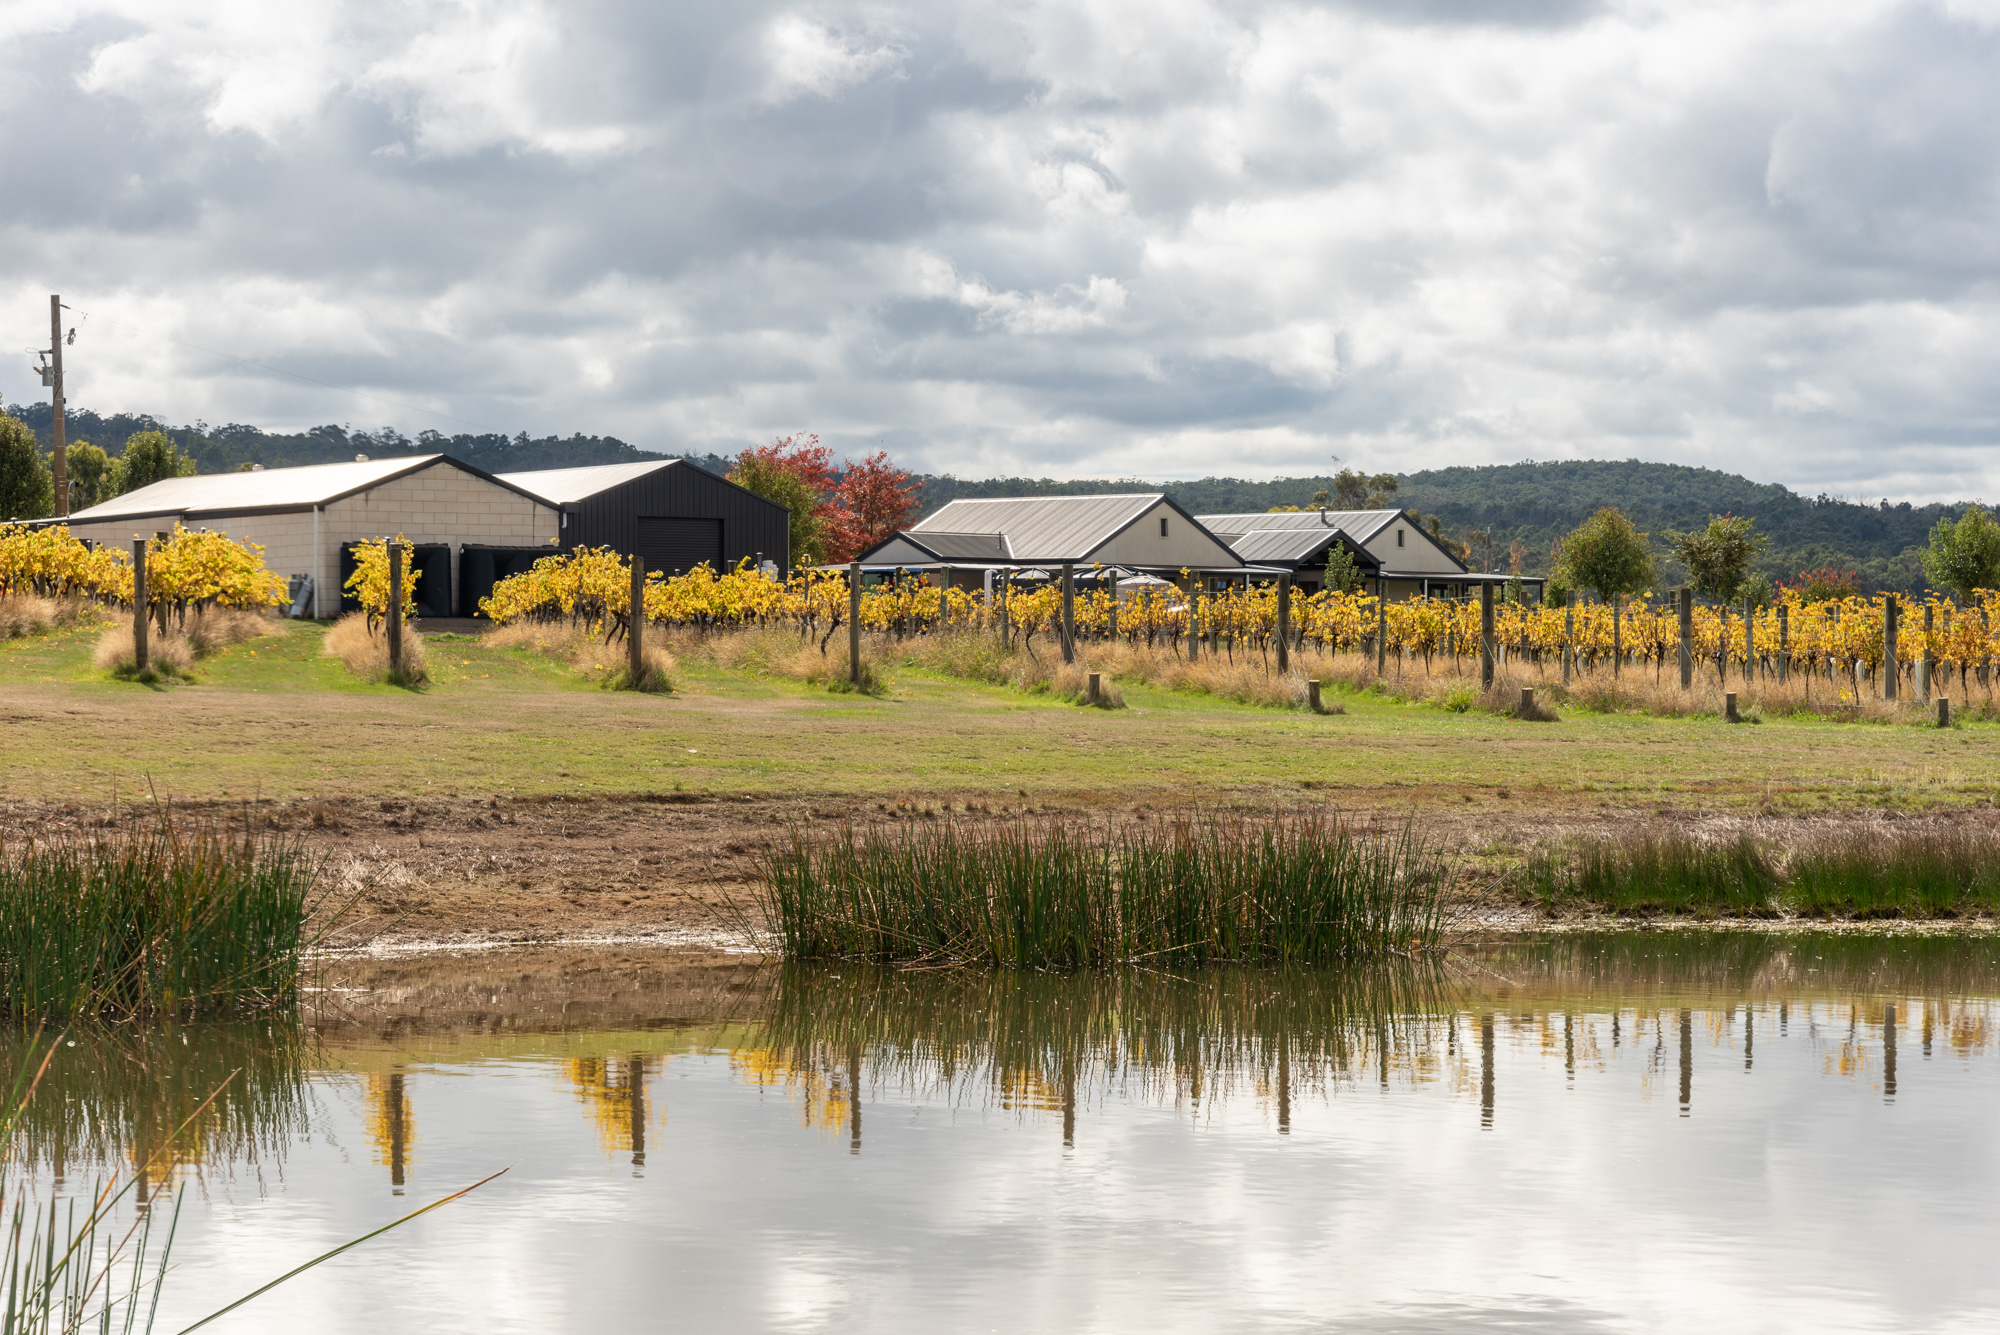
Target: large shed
{"x":668,"y":511}
{"x":1144,"y":532}
{"x":306,"y":518}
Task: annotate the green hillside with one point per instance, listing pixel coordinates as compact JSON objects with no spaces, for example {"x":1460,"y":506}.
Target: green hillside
{"x":1532,"y":504}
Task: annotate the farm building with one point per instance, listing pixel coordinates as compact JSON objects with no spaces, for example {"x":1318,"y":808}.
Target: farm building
{"x":1037,"y":535}
{"x":307,"y":518}
{"x":1397,"y":556}
{"x":667,"y":511}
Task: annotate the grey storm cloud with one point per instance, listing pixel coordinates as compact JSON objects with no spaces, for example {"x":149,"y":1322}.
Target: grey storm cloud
{"x":1095,"y":239}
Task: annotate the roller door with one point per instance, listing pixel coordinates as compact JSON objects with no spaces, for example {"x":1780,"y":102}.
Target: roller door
{"x":679,"y":545}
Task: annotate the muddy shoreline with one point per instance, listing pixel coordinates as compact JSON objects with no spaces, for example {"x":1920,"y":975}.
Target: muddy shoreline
{"x":425,"y":876}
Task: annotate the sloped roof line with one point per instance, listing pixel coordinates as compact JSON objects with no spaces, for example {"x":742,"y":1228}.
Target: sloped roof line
{"x":561,"y":486}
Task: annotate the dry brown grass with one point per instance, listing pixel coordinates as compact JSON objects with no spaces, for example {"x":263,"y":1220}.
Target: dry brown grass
{"x":366,"y":653}
{"x":173,"y":653}
{"x":587,"y":653}
{"x":29,"y":614}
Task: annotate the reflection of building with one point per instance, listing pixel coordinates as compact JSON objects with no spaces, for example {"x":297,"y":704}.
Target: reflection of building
{"x":391,"y":1129}
{"x":613,"y":1090}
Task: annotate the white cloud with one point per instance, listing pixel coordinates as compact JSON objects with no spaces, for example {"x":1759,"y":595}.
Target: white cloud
{"x":1092,"y":238}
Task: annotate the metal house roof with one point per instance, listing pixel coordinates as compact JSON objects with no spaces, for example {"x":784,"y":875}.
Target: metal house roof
{"x":1360,"y":525}
{"x":962,"y":546}
{"x":1042,"y":528}
{"x":271,"y":489}
{"x":565,"y":486}
{"x":1286,"y":544}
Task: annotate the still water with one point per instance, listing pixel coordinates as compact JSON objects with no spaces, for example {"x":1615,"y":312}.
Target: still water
{"x":1621,"y":1132}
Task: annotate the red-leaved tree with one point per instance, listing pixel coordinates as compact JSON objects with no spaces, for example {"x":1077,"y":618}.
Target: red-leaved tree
{"x":873,"y":500}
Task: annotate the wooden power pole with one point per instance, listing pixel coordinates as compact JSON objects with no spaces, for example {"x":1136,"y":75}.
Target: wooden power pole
{"x":60,"y":455}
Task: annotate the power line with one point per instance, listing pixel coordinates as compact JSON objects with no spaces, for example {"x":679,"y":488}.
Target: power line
{"x":279,"y":370}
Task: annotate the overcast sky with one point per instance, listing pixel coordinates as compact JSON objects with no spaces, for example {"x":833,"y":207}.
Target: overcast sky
{"x":1081,"y":238}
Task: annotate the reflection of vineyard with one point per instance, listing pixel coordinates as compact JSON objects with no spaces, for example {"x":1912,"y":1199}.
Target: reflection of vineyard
{"x":390,"y":1123}
{"x":613,"y":1092}
{"x":1646,"y":1010}
{"x":122,"y":1094}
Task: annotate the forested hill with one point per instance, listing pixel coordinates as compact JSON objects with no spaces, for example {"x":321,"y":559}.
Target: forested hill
{"x":223,"y":449}
{"x":1533,"y":504}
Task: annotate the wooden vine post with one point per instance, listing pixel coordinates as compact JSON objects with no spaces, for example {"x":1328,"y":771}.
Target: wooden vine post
{"x":1284,"y":623}
{"x":854,"y":622}
{"x":1684,"y":596}
{"x":1486,"y":637}
{"x":396,"y":609}
{"x":1069,"y":612}
{"x":139,"y":604}
{"x":635,"y":622}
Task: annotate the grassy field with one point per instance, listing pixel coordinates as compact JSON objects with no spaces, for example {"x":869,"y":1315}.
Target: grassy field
{"x":277,"y":717}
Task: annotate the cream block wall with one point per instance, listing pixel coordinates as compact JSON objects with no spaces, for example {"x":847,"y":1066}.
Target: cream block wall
{"x":438,"y":505}
{"x":1184,"y":545}
{"x":1418,"y":555}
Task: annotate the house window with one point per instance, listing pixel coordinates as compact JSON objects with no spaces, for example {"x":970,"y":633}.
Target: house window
{"x":1163,"y":526}
{"x":1399,"y":537}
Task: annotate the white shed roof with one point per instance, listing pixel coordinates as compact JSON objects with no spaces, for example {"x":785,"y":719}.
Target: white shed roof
{"x":1042,"y":528}
{"x":271,"y":489}
{"x":561,"y":486}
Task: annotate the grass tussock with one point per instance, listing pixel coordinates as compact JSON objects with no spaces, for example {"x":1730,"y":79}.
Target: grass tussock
{"x":1064,"y":895}
{"x":1941,"y":871}
{"x":25,"y":614}
{"x":366,"y":652}
{"x":606,"y":664}
{"x":151,"y":919}
{"x":175,"y":652}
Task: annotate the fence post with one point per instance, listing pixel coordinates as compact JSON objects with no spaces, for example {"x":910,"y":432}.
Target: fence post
{"x":1729,"y":714}
{"x":635,"y":618}
{"x":1485,"y":637}
{"x":1527,"y":702}
{"x":1684,"y":600}
{"x":1111,"y":615}
{"x":854,"y":622}
{"x":1924,"y":662}
{"x":1749,"y":641}
{"x":1891,"y":615}
{"x":1312,"y":695}
{"x":1569,"y":642}
{"x":1069,"y":612}
{"x":1095,"y":687}
{"x":1784,"y":642}
{"x":1284,"y":623}
{"x":1381,"y":630}
{"x":1617,"y":635}
{"x":1944,"y":711}
{"x":139,"y":656}
{"x":395,"y":609}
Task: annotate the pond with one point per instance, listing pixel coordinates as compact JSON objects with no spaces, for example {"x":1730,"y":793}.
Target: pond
{"x":1610,"y":1132}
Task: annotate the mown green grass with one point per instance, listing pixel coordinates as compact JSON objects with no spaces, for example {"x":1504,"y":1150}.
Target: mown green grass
{"x":279,"y":718}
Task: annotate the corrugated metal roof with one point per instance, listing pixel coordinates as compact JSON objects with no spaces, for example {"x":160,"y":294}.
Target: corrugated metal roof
{"x":562,"y":486}
{"x":963,"y":546}
{"x":1360,"y":525}
{"x":1043,"y":528}
{"x":1284,"y":544}
{"x":271,"y":489}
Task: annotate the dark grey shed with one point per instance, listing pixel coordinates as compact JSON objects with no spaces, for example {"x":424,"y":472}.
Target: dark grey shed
{"x":668,"y":511}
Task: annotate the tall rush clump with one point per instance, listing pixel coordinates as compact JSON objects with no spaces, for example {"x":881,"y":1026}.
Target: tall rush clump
{"x":151,"y":920}
{"x":1198,"y":889}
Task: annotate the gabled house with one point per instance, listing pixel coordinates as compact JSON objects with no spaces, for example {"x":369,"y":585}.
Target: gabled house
{"x":1398,"y":557}
{"x":1142,"y":533}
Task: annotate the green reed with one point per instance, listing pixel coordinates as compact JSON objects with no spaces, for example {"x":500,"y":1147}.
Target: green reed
{"x":151,"y":919}
{"x":1066,"y":895}
{"x":1926,"y":872}
{"x":1866,"y":872}
{"x":1657,"y":873}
